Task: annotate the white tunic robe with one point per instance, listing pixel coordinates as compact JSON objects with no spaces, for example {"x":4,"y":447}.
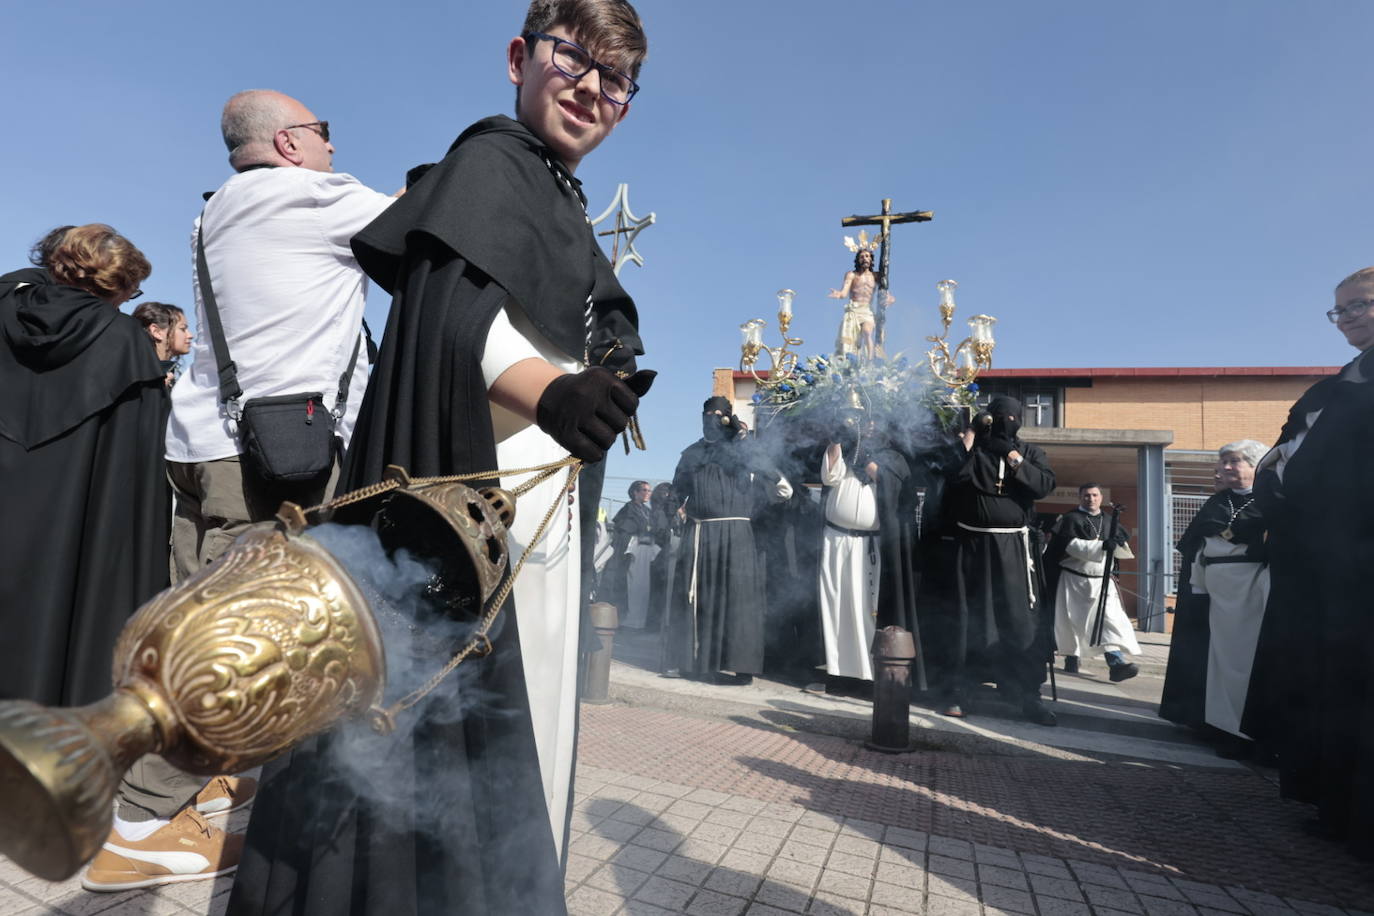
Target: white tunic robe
{"x":1238,"y":592}
{"x":849,"y":572}
{"x":1075,"y":603}
{"x":548,"y":590}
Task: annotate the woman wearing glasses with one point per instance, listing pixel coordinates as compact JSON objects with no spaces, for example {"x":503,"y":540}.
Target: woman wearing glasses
{"x":1312,"y":691}
{"x":85,"y":498}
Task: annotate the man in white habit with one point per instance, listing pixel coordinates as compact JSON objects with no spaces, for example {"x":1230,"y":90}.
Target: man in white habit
{"x":1077,"y":555}
{"x":849,"y":561}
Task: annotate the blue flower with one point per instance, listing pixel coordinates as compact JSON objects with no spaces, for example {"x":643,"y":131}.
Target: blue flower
{"x":972,"y":386}
{"x":835,"y":377}
{"x":784,"y":387}
{"x":809,"y":379}
{"x":756,"y":398}
{"x":853,"y":358}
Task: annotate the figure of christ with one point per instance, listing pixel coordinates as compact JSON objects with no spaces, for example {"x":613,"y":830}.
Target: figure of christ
{"x":856,"y":328}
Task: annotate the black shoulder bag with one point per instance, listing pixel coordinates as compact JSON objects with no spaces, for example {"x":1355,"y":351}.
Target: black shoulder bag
{"x":289,"y":437}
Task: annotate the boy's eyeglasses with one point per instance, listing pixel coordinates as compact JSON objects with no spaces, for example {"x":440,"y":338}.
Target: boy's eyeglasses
{"x":573,"y":61}
{"x":319,"y":127}
{"x":1354,"y":308}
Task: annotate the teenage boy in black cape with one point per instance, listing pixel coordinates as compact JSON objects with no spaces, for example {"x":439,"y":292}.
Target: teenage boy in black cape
{"x":493,"y":242}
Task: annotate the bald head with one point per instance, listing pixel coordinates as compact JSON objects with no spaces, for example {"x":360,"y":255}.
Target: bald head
{"x":263,"y":127}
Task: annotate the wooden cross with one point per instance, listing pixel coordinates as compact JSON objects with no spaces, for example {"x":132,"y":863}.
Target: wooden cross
{"x":886,"y":219}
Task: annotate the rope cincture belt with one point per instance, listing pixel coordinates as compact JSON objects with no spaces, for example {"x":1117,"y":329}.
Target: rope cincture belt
{"x":1024,"y":532}
{"x":852,"y":532}
{"x":696,"y":553}
{"x":383,"y":721}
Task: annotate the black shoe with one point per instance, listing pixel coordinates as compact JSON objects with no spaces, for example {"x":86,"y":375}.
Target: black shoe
{"x":1035,"y":710}
{"x":1124,"y":671}
{"x":1071,"y":664}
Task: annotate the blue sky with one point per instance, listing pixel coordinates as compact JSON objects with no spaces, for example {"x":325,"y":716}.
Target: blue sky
{"x":1165,"y":183}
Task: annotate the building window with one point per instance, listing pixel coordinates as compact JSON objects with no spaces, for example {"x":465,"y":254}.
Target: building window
{"x":1039,"y":407}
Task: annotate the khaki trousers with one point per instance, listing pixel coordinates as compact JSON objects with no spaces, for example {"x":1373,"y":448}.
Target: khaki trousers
{"x":216,"y":501}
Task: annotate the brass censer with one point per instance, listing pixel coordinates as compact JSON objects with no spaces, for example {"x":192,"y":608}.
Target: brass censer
{"x":270,"y":644}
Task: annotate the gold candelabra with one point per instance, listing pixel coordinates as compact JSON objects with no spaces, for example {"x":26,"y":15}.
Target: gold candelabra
{"x":781,"y":360}
{"x":960,"y":366}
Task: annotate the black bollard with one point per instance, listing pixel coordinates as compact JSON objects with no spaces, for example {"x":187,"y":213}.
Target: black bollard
{"x":893,"y":651}
{"x":596,"y":684}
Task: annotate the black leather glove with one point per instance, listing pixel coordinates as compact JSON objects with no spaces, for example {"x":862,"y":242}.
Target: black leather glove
{"x":1000,"y":446}
{"x":585,"y":412}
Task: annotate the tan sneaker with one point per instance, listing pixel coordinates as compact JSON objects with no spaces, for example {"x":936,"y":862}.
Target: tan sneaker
{"x":224,"y":794}
{"x":187,"y":849}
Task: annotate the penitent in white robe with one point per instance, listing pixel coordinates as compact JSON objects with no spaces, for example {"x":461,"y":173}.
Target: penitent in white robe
{"x":1075,"y":603}
{"x":849,"y":571}
{"x":1237,"y":593}
{"x":548,"y":590}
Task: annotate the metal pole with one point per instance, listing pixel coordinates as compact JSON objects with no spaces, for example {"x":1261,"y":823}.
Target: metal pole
{"x":596,"y":684}
{"x":893,"y":651}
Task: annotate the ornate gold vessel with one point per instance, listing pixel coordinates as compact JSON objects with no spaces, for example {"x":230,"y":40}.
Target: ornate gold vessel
{"x":268,"y":645}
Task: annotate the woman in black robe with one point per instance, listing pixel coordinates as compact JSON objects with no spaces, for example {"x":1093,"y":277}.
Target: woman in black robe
{"x":82,"y":416}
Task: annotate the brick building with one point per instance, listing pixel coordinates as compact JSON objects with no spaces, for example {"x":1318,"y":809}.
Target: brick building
{"x":1147,"y":436}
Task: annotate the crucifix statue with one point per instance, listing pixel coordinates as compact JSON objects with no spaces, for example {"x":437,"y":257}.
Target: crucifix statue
{"x":885,"y":220}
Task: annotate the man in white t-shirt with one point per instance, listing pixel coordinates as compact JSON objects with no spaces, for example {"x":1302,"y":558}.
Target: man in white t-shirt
{"x":290,"y":297}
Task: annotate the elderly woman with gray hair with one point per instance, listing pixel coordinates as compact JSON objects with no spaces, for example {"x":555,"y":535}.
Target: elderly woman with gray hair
{"x":1221,"y":595}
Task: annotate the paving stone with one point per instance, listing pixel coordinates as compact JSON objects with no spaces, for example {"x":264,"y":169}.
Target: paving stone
{"x":843,"y":885}
{"x":857,"y":846}
{"x":913,"y":858}
{"x":638,"y":857}
{"x":641,"y":908}
{"x":944,"y":865}
{"x":835,"y":905}
{"x":685,"y":869}
{"x":947,"y":906}
{"x":661,"y":840}
{"x":1044,"y":865}
{"x":993,"y":855}
{"x":1101,"y":875}
{"x":712,"y":903}
{"x":743,"y":805}
{"x":1313,"y":909}
{"x":804,"y":834}
{"x":707,"y":797}
{"x":862,"y":866}
{"x":902,"y":874}
{"x":1160,"y":906}
{"x":790,"y":897}
{"x":803,"y":852}
{"x":673,"y":789}
{"x":736,"y":819}
{"x":907,"y":839}
{"x":858,"y":827}
{"x":1057,"y":906}
{"x":589,"y":901}
{"x":898,"y":897}
{"x":1216,"y":899}
{"x":820,"y":821}
{"x":1258,"y":898}
{"x":733,"y":882}
{"x":741,"y":860}
{"x":715,"y":833}
{"x":945,"y":846}
{"x":701,"y":850}
{"x":1153,"y":885}
{"x":763,"y":909}
{"x":594,"y":847}
{"x":1108,"y":911}
{"x":1064,"y":888}
{"x":618,"y":879}
{"x":1112,"y":897}
{"x":1008,"y":899}
{"x":876,"y":910}
{"x":768,"y":826}
{"x":789,"y":813}
{"x":653,"y":801}
{"x":760,"y":843}
{"x":677,"y":822}
{"x":580,"y":866}
{"x":995,"y":875}
{"x":790,"y":871}
{"x":689,"y":809}
{"x":632,"y":814}
{"x":945,"y":886}
{"x":617,"y":830}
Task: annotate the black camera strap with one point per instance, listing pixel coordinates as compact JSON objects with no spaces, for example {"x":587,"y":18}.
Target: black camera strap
{"x":229,"y":389}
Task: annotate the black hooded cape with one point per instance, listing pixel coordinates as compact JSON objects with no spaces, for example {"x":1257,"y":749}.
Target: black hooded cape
{"x":897,"y":499}
{"x":1184,"y":699}
{"x":498,"y":219}
{"x":1312,"y":684}
{"x":83,"y":408}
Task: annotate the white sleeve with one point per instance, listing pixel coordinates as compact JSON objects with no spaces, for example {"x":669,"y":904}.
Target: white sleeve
{"x":505,"y":347}
{"x":1088,"y":549}
{"x":345,"y":205}
{"x":1198,"y":580}
{"x":783,"y":489}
